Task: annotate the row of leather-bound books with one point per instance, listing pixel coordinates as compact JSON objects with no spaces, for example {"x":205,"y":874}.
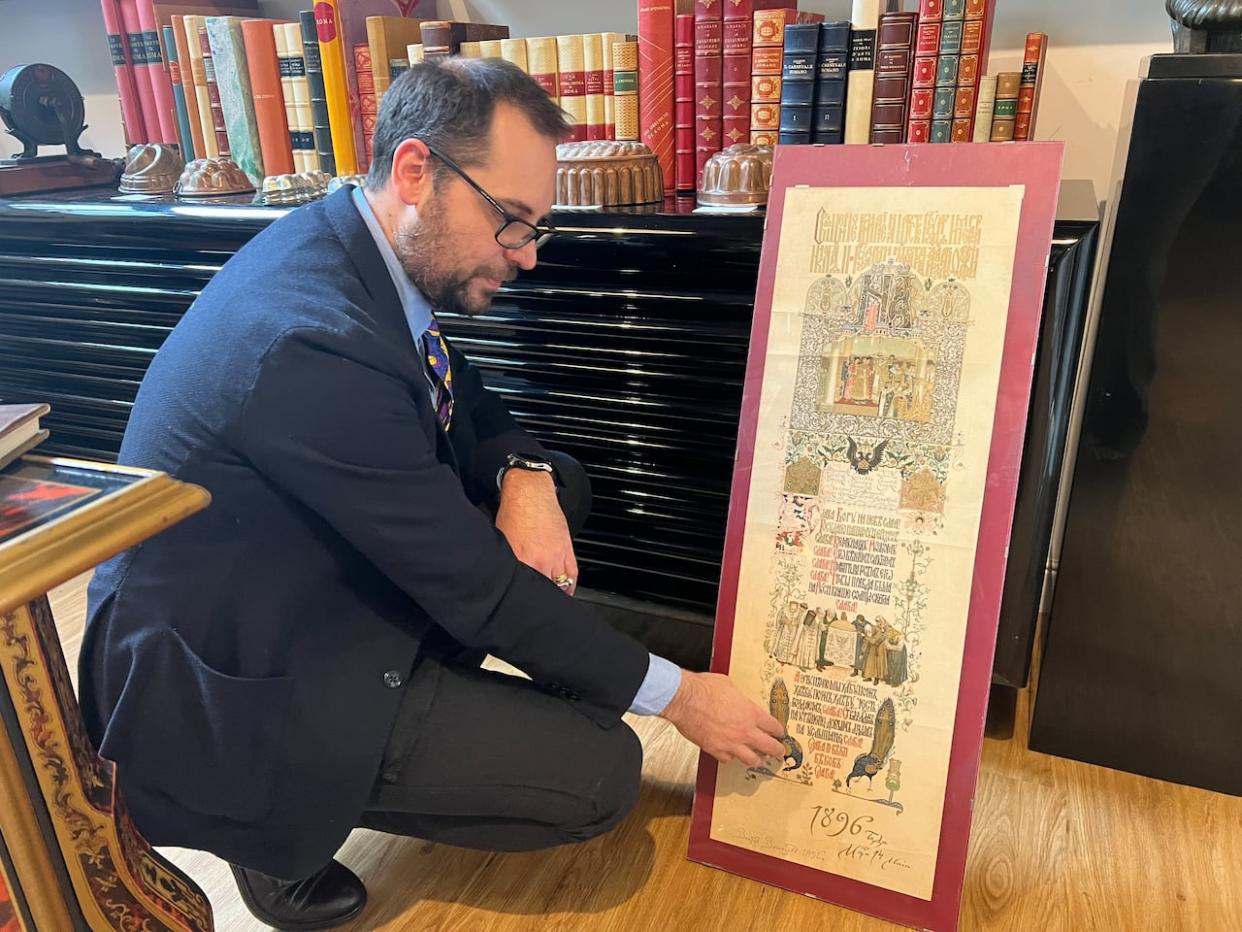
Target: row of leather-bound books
{"x":277,"y":96}
{"x":592,"y":76}
{"x":931,"y":83}
{"x":282,"y":96}
{"x":928,"y":81}
{"x":709,"y":76}
{"x":760,"y":71}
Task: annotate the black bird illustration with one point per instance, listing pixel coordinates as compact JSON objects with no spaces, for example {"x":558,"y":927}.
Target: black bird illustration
{"x":778,"y":705}
{"x":869,"y":764}
{"x":863,"y":463}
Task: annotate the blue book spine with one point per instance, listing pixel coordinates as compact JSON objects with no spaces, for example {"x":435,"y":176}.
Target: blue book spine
{"x":798,"y":82}
{"x":831,"y":77}
{"x":183,"y":115}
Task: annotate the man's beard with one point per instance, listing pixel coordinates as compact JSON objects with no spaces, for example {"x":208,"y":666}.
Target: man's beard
{"x":425,"y":249}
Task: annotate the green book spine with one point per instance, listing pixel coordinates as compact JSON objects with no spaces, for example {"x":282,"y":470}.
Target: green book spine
{"x":236,"y":99}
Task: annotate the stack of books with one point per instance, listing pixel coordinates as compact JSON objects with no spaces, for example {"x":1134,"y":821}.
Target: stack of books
{"x":20,"y":430}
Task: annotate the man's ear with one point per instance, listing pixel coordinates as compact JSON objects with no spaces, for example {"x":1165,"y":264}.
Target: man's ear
{"x":411,"y":172}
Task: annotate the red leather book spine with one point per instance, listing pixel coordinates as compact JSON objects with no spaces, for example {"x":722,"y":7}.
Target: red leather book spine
{"x":921,"y":101}
{"x":738,"y":28}
{"x":926,"y":62}
{"x":964,"y":113}
{"x":213,"y":94}
{"x":766,"y":59}
{"x":683,"y":100}
{"x":708,"y":82}
{"x":368,"y":102}
{"x":123,"y":69}
{"x":143,"y":83}
{"x":655,"y":83}
{"x":985,"y":11}
{"x":976,"y":43}
{"x":894,"y":74}
{"x":1032,"y":78}
{"x":161,"y":83}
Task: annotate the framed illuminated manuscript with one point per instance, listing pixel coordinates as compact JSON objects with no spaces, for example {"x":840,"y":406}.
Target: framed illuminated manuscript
{"x":885,"y":407}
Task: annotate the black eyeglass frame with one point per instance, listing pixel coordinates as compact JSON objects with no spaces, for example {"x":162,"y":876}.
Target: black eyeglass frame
{"x":539,"y":233}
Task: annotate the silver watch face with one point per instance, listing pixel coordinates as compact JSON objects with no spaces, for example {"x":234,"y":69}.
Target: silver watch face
{"x":513,"y":461}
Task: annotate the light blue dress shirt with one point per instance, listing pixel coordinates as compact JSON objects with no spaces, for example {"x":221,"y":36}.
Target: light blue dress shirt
{"x":663,"y":677}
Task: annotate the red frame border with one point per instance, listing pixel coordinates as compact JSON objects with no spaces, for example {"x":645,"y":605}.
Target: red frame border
{"x":1038,"y":167}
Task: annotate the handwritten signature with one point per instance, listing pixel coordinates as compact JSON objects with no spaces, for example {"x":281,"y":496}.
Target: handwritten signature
{"x":857,"y":852}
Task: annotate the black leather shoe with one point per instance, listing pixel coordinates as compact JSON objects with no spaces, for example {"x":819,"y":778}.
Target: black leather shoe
{"x":331,"y":897}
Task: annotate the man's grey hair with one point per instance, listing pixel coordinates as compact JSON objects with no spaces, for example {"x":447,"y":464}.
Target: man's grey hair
{"x":449,"y":104}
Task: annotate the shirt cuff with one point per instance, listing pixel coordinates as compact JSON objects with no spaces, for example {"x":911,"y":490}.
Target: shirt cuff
{"x":661,"y":683}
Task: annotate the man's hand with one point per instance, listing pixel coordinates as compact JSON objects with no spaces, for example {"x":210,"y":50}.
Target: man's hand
{"x":714,"y":714}
{"x":531,"y":519}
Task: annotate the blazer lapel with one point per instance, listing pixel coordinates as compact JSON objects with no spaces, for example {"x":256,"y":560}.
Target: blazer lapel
{"x":388,"y":314}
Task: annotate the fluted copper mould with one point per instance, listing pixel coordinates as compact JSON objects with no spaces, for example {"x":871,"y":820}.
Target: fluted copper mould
{"x":293,"y":189}
{"x":151,"y":168}
{"x":607,"y":174}
{"x":341,"y":180}
{"x":738,"y":176}
{"x":212,"y":178}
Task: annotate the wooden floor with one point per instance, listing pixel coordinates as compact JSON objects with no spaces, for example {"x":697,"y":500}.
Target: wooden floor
{"x":1057,"y":845}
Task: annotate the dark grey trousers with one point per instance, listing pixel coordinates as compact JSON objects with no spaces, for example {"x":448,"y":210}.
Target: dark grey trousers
{"x":484,"y":760}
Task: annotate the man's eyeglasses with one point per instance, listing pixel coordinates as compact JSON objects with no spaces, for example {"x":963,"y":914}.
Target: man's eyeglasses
{"x":514,"y":232}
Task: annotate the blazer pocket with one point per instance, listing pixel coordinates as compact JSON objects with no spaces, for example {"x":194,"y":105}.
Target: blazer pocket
{"x":207,"y":740}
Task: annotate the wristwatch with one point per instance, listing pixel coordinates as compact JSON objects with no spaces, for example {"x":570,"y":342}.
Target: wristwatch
{"x":529,"y":463}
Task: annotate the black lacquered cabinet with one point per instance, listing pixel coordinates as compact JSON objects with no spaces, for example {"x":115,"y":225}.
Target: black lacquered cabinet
{"x":625,"y":347}
{"x":1066,"y":302}
{"x":1141,"y":666}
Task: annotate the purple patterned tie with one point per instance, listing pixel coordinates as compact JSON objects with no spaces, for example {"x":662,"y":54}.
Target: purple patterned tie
{"x":438,"y":359}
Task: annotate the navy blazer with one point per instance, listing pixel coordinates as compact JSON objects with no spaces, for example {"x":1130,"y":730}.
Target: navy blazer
{"x":244,"y":668}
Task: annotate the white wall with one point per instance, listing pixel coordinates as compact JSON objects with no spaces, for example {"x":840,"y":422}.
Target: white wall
{"x":1096,"y":47}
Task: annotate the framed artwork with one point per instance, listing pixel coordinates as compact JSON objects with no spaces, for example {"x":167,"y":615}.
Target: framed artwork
{"x":25,"y":503}
{"x":36,"y":491}
{"x":885,"y":406}
{"x":70,"y":857}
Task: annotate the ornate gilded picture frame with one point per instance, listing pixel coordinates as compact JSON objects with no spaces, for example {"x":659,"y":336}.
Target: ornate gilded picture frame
{"x":75,"y":859}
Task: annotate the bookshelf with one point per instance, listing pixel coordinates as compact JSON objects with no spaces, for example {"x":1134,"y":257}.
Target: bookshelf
{"x":1096,"y":48}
